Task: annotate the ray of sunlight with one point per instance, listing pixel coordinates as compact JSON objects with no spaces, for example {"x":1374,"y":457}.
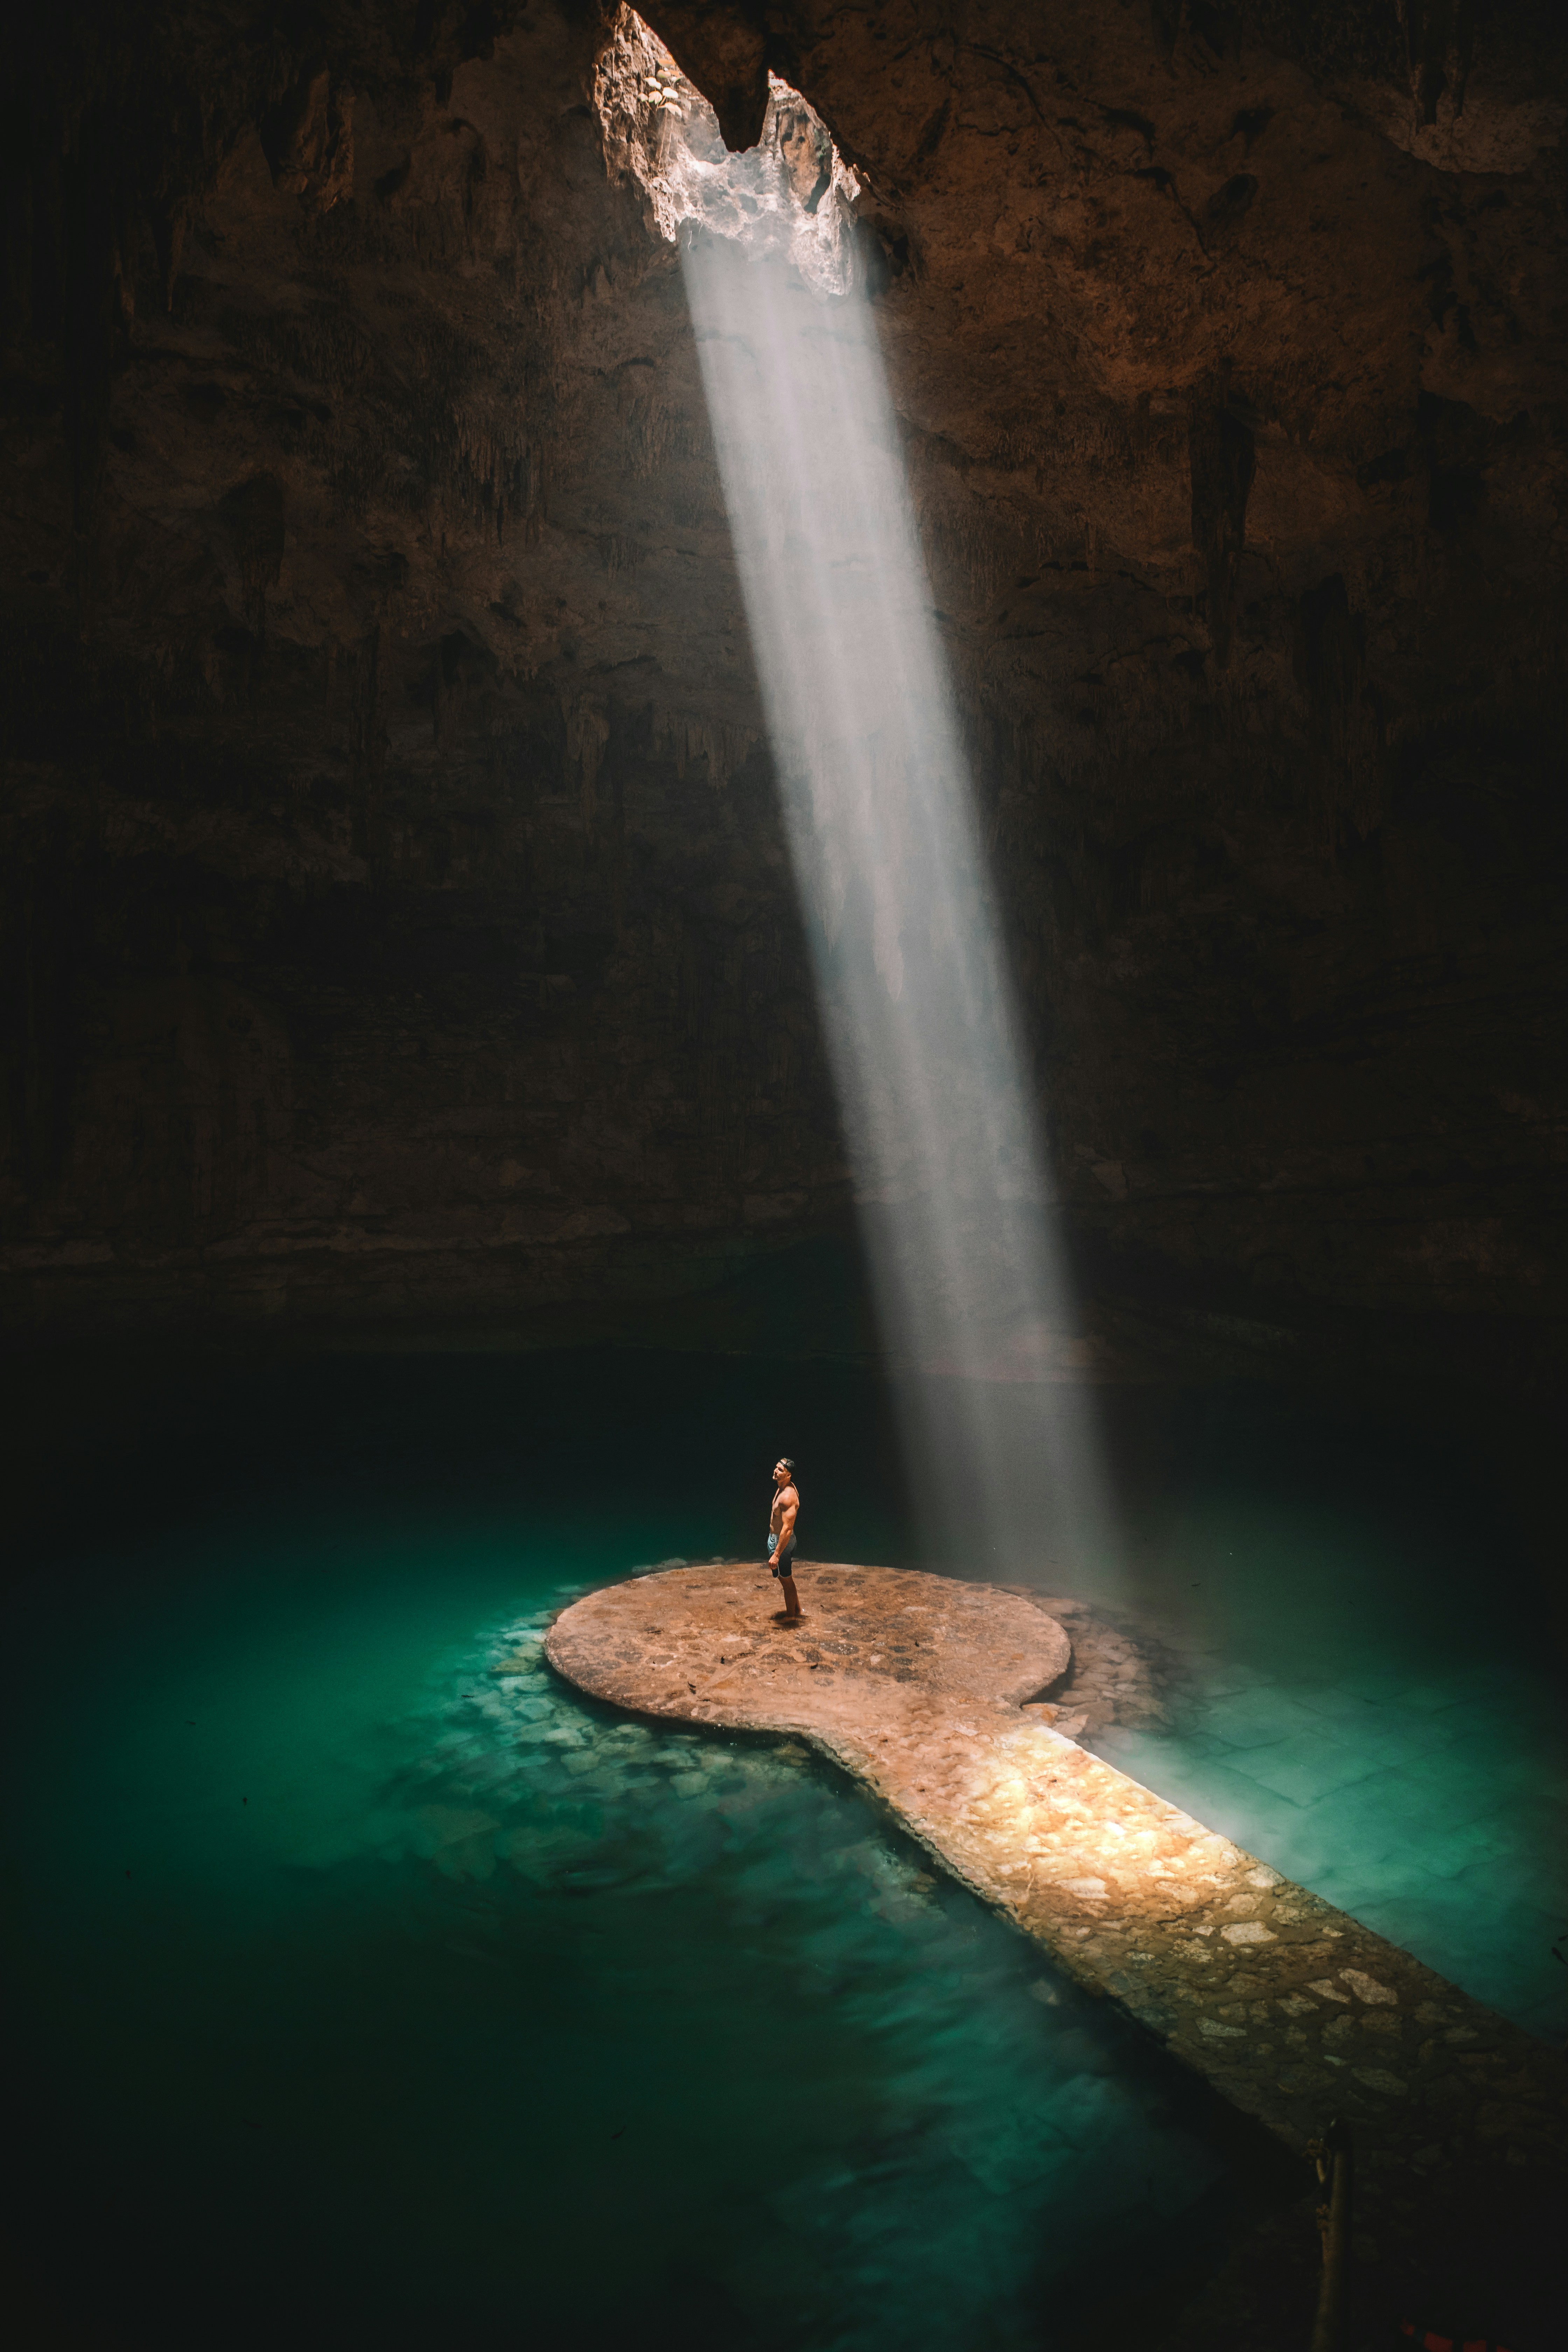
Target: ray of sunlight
{"x":936,"y":1095}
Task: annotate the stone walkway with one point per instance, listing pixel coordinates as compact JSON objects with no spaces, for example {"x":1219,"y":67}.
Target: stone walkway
{"x":1425,"y":1794}
{"x":920,"y":1687}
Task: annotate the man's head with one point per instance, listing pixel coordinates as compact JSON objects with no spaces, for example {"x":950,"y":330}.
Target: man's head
{"x":783,"y":1471}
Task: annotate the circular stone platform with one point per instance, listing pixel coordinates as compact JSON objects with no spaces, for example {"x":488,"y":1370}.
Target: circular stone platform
{"x":1293,"y":2011}
{"x":877,"y":1647}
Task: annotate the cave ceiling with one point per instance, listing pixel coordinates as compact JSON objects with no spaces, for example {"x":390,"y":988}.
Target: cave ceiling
{"x":397,"y":923}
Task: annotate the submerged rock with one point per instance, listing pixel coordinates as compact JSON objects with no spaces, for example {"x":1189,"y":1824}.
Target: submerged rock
{"x":1206,"y":1945}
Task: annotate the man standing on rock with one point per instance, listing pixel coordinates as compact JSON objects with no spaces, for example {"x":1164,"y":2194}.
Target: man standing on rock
{"x":781,"y":1537}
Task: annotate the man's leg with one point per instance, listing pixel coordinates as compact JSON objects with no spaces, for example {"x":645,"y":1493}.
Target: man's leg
{"x":791,"y":1597}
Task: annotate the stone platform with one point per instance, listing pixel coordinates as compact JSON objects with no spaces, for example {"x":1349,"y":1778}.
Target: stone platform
{"x":922,"y":1687}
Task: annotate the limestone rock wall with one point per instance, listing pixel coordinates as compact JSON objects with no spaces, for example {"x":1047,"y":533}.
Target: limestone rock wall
{"x":396,"y":922}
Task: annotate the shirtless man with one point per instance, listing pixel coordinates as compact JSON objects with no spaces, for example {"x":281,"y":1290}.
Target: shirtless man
{"x":780,"y":1540}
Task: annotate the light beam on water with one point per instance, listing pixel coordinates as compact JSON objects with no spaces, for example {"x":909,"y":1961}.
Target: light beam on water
{"x":922,"y":1028}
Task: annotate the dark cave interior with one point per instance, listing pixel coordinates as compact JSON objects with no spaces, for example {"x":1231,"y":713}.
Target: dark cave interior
{"x":403,"y":966}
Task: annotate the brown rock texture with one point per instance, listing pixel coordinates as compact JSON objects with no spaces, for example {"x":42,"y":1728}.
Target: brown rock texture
{"x":396,"y":926}
{"x":1292,"y":2010}
{"x":883,"y":1655}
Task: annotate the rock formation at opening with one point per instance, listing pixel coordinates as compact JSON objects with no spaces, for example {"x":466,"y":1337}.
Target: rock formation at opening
{"x":398,"y":925}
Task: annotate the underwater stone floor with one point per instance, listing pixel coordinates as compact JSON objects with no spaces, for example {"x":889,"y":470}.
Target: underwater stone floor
{"x":1432,"y":1805}
{"x":372,"y":1972}
{"x":1292,"y":2008}
{"x":361,"y":1979}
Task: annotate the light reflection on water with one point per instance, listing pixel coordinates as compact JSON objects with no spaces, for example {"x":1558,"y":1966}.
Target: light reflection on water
{"x":365,"y":1973}
{"x":1374,"y":1720}
{"x":485,"y":2004}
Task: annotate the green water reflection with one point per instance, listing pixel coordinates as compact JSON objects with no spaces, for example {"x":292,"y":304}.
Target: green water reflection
{"x":372,"y":1995}
{"x":373,"y":1984}
{"x":1360,"y":1688}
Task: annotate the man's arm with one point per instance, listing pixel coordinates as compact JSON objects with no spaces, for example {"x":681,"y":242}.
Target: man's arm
{"x":786,"y":1525}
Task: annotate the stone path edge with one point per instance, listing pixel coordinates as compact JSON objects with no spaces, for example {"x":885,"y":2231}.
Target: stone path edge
{"x":1292,"y":2011}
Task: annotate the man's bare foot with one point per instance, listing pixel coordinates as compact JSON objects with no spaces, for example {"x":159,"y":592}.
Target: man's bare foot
{"x":788,"y":1616}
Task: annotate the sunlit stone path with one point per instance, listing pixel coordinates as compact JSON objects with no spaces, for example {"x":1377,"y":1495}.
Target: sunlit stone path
{"x":920,"y":1687}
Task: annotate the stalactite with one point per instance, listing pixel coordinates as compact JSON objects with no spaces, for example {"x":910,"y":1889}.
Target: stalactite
{"x":1223,"y":460}
{"x":587,"y":737}
{"x":724,"y":748}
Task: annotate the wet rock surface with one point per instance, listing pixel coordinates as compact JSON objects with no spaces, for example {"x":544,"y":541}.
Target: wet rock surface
{"x":1112,"y":1682}
{"x":1292,"y":2010}
{"x":877,"y":1649}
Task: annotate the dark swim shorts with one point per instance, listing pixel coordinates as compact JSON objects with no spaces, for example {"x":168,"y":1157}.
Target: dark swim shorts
{"x":781,"y":1566}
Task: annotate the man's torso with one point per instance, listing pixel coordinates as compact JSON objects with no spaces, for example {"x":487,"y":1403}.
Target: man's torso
{"x":782,"y":1497}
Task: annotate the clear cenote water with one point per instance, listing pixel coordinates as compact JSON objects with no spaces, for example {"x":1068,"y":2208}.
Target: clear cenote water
{"x":376,"y":1989}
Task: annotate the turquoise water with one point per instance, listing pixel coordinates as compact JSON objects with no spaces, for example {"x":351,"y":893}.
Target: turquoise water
{"x":374,"y":1994}
{"x":1361,"y":1690}
{"x":377,"y":1995}
{"x":1362,"y":1676}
